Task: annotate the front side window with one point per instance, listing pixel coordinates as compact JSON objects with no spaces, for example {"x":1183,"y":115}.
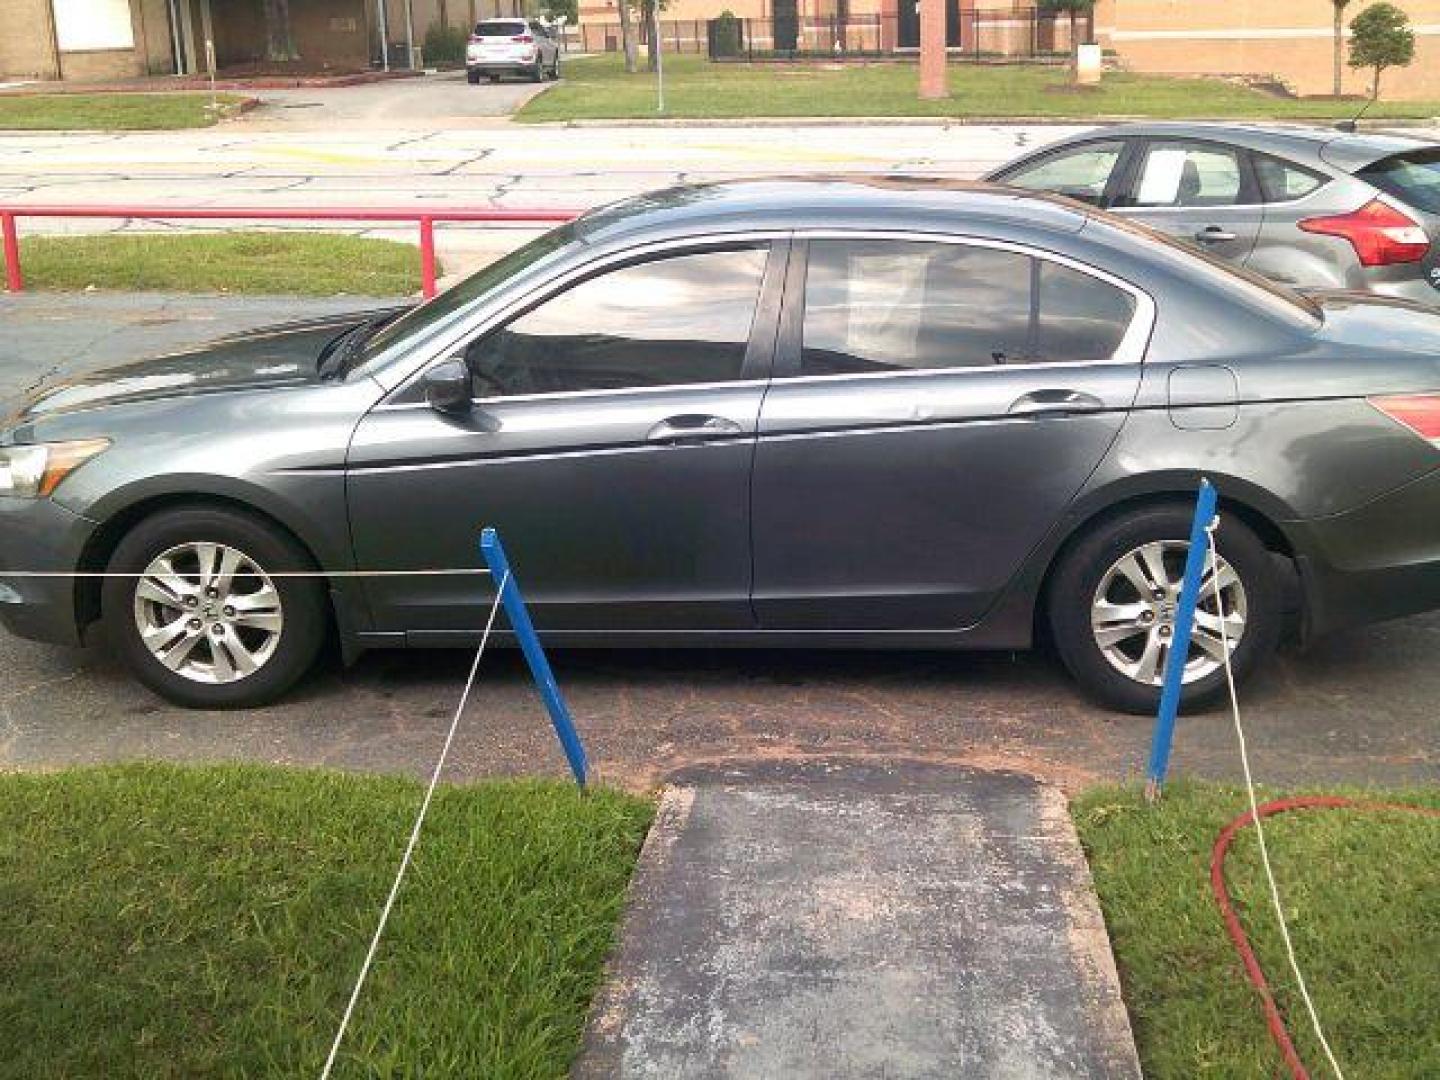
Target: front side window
{"x":881,"y":305}
{"x":1081,"y":173}
{"x":669,"y":321}
{"x":1188,"y":174}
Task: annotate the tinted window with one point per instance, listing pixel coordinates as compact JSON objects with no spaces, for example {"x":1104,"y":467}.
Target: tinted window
{"x":1081,"y":318}
{"x":1411,"y":178}
{"x":890,"y":305}
{"x":684,"y":319}
{"x":1281,"y":181}
{"x":499,"y":29}
{"x":1081,"y":173}
{"x":882,"y":305}
{"x":1188,"y":174}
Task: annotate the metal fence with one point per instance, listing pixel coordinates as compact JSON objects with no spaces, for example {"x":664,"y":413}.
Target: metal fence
{"x":1020,"y":33}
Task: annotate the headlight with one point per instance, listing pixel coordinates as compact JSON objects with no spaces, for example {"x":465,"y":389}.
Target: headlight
{"x":33,"y":471}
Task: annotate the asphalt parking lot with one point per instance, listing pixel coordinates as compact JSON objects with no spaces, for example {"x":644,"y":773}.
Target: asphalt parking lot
{"x":1358,"y":708}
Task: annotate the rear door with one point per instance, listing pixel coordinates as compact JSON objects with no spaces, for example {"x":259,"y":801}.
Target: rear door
{"x":936,"y":405}
{"x":1200,"y":192}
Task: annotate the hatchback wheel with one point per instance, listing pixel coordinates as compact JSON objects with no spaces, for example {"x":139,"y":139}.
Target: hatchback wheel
{"x":555,"y":68}
{"x":1113,"y":600}
{"x":537,"y":73}
{"x":200,"y":616}
{"x":473,"y":78}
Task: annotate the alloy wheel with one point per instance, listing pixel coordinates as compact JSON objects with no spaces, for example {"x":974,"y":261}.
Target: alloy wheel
{"x":1133,"y":613}
{"x":208,"y":612}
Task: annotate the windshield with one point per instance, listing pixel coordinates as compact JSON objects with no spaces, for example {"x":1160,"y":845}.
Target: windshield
{"x":1412,"y":178}
{"x":419,"y":323}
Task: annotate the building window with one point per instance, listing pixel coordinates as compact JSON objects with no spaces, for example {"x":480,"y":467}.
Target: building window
{"x":84,"y":25}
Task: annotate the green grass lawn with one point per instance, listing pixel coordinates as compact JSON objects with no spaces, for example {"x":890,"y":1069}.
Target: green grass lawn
{"x":304,"y":263}
{"x":1362,"y":896}
{"x":598,"y":88}
{"x":112,"y":112}
{"x":166,"y":922}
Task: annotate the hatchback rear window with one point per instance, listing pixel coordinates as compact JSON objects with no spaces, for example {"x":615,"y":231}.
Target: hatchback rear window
{"x":1412,"y":178}
{"x":499,"y":29}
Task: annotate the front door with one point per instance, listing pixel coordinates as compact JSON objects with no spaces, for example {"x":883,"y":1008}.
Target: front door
{"x":610,"y":443}
{"x":1202,"y":193}
{"x":936,"y":407}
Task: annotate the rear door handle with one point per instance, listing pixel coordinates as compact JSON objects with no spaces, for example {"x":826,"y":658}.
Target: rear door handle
{"x":1214,"y":234}
{"x":692,"y":428}
{"x":1055,"y":403}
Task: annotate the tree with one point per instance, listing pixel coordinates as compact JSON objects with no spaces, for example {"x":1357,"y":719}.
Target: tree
{"x":1339,"y":11}
{"x":566,"y":11}
{"x":627,"y":35}
{"x":1380,"y":37}
{"x":279,"y":41}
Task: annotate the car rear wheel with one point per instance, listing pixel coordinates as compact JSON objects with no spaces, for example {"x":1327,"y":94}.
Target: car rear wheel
{"x":537,"y":72}
{"x":473,"y":78}
{"x":199,"y":615}
{"x":555,"y":68}
{"x":1113,"y":599}
{"x":494,"y":76}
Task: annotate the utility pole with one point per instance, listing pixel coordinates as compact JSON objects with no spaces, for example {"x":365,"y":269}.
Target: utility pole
{"x":384,"y":35}
{"x":933,"y":84}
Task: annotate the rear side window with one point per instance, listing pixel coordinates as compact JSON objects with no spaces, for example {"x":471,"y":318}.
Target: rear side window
{"x":896,"y":305}
{"x":1284,"y":181}
{"x":1411,"y":178}
{"x":1081,"y":173}
{"x":1189,"y":174}
{"x":499,"y":28}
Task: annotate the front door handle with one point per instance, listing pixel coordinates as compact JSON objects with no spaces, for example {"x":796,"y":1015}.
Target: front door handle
{"x":1214,"y":234}
{"x":1055,"y":403}
{"x":692,"y":428}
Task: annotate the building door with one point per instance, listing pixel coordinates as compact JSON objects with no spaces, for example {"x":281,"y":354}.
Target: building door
{"x":909,"y":18}
{"x":787,"y":26}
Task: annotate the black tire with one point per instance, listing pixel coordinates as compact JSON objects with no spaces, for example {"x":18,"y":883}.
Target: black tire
{"x":1073,"y":591}
{"x":555,"y":68}
{"x":494,"y":76}
{"x":302,"y":604}
{"x":473,"y":78}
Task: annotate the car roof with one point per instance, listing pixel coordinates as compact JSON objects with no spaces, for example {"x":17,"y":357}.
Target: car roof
{"x":1341,"y":150}
{"x":767,"y":203}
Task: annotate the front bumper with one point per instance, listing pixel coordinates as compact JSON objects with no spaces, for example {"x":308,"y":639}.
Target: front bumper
{"x":38,"y":534}
{"x":1378,"y":561}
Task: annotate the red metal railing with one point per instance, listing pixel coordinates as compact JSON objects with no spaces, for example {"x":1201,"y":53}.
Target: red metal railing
{"x":426,"y":219}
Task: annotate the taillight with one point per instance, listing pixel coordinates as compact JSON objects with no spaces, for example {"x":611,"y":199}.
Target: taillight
{"x":1418,"y":412}
{"x":524,"y":39}
{"x":1380,"y":234}
{"x":474,"y":39}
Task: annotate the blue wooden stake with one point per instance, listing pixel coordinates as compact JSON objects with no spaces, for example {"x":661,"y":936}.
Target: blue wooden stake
{"x":519,"y":616}
{"x":1180,"y":644}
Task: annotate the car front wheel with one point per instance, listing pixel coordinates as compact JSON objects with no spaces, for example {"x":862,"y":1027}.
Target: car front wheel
{"x":199,"y":612}
{"x":1113,"y":603}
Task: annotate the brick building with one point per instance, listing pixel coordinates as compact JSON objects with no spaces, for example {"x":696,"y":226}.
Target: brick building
{"x":86,"y":40}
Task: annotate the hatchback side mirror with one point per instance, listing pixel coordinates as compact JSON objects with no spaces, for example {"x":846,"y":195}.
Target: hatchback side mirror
{"x":447,"y":388}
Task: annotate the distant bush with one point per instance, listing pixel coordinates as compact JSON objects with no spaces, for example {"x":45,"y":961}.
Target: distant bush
{"x":725,"y":31}
{"x":445,"y":44}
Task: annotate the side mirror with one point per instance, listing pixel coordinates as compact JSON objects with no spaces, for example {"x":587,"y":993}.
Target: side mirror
{"x":447,"y":387}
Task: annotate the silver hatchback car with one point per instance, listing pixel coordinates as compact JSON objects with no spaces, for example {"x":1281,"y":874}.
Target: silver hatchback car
{"x":1308,"y":207}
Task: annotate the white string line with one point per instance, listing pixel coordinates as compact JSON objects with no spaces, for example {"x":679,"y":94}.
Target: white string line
{"x":1254,"y":806}
{"x":414,"y":833}
{"x":276,"y":574}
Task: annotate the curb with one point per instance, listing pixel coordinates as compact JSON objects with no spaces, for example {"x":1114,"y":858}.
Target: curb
{"x":954,"y":121}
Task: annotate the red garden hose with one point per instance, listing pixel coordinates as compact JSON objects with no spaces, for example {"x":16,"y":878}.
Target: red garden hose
{"x":1273,"y":1019}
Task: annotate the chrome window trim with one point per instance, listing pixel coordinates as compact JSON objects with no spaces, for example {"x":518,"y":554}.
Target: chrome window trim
{"x":467,"y":330}
{"x":1131,"y":350}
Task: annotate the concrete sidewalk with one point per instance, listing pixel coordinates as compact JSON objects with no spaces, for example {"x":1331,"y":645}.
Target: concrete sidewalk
{"x":861,"y":921}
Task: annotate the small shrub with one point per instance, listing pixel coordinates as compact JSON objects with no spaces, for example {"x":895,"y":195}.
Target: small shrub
{"x":445,"y":44}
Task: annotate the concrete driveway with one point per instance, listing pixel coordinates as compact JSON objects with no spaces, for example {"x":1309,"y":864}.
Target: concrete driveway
{"x":443,"y":100}
{"x":1356,"y":708}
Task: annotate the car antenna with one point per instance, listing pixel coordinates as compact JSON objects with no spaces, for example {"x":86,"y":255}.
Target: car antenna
{"x":1348,"y":126}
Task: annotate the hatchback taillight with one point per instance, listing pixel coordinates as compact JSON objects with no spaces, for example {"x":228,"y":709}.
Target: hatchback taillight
{"x":523,"y":39}
{"x":1380,"y":234}
{"x":475,"y":39}
{"x":1418,"y":412}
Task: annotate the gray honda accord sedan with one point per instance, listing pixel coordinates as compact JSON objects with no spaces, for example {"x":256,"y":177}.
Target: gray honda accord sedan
{"x":835,"y":412}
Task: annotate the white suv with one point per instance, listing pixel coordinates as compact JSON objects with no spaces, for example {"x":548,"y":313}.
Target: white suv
{"x":516,"y":46}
